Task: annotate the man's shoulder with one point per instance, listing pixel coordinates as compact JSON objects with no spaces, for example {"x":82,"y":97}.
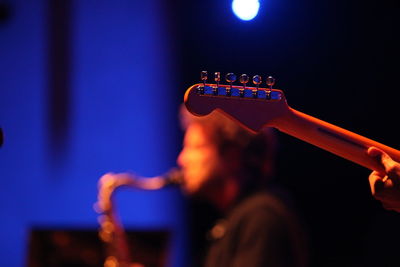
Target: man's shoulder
{"x":260,"y":204}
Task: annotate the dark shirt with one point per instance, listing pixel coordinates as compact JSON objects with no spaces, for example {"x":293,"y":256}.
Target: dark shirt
{"x":259,"y":231}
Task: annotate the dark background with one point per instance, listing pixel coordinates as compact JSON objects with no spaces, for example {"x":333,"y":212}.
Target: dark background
{"x":335,"y":60}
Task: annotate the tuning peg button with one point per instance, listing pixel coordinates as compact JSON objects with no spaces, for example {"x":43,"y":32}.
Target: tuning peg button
{"x":244,"y":78}
{"x":257,"y":80}
{"x":204,"y":75}
{"x":217,"y":76}
{"x":230,"y":78}
{"x":270,"y":81}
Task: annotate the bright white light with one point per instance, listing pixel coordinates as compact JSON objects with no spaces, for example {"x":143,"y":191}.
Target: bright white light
{"x":245,"y":9}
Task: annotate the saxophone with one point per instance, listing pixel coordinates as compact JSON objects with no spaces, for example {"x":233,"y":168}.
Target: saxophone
{"x":111,"y":231}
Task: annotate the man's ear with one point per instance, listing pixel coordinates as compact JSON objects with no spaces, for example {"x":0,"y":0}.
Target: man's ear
{"x":232,"y":159}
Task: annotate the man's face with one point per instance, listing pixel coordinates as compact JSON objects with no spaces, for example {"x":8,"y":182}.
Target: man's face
{"x":199,"y":160}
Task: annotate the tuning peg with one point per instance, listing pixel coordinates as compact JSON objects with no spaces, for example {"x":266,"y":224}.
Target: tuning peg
{"x":257,"y":80}
{"x":244,"y":78}
{"x":270,"y":82}
{"x":217,"y":78}
{"x":230,"y":78}
{"x":204,"y":76}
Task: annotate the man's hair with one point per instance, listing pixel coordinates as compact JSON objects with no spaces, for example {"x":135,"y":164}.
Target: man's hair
{"x":257,"y":151}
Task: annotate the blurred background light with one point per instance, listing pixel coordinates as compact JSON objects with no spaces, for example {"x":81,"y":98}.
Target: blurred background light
{"x":245,"y":9}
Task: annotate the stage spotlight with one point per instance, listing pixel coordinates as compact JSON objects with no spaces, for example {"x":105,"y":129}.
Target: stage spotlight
{"x":245,"y":9}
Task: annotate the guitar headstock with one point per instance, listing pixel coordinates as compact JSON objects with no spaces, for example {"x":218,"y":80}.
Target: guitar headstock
{"x":253,"y":107}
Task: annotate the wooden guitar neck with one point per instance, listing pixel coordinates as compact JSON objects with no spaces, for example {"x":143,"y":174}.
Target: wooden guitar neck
{"x":334,"y":139}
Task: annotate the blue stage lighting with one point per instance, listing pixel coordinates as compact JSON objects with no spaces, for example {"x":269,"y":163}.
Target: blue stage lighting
{"x":245,"y":9}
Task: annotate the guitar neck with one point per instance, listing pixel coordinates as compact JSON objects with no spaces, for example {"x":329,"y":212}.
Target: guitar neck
{"x":245,"y":105}
{"x":332,"y":138}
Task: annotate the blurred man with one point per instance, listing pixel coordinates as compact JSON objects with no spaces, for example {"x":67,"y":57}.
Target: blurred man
{"x":232,"y":169}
